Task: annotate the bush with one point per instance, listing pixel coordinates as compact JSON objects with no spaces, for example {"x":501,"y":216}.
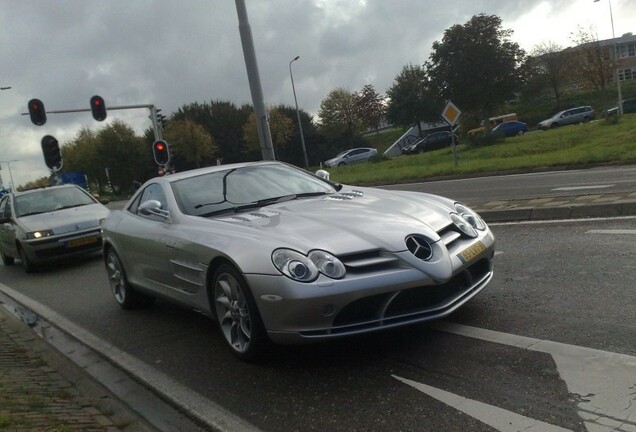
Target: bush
{"x":483,"y":140}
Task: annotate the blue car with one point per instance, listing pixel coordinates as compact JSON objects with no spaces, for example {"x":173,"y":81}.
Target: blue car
{"x":510,"y":128}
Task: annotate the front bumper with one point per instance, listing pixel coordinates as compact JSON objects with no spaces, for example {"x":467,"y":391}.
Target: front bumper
{"x":61,"y":246}
{"x":295,"y":312}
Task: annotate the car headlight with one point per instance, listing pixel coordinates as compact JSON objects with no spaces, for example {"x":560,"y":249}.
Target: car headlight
{"x":294,"y":265}
{"x":38,"y":234}
{"x":463,"y":225}
{"x":327,"y":264}
{"x":306,"y":268}
{"x":472,"y":217}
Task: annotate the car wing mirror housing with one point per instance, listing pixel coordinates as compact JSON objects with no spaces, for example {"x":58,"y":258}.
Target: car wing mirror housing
{"x":153,"y":208}
{"x":323,"y":174}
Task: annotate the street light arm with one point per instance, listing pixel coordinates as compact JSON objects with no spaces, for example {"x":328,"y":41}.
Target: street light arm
{"x":300,"y":126}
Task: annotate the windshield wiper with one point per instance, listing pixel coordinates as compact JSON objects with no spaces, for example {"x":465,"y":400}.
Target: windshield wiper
{"x":260,"y":203}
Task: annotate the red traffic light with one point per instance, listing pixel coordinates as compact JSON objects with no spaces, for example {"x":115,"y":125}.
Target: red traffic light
{"x":98,"y":108}
{"x":161,"y":152}
{"x":37,"y":112}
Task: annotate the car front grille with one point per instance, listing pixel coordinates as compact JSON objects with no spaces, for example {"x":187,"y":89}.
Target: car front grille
{"x":369,"y":261}
{"x":409,"y":305}
{"x":62,"y":249}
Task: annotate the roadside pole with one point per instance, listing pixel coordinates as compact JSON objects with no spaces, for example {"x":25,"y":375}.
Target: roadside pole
{"x":450,"y":115}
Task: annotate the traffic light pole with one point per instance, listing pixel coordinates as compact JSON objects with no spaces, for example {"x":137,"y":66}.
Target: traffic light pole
{"x":152,"y":108}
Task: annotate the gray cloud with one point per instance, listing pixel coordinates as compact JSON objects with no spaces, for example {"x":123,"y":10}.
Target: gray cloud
{"x":170,"y":53}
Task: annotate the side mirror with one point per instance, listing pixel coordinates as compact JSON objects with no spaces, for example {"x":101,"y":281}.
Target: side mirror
{"x":104,"y":201}
{"x":323,"y":174}
{"x":152,"y":208}
{"x":4,"y":220}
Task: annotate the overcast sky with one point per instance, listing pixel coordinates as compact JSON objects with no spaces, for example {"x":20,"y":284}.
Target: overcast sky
{"x":171,"y":53}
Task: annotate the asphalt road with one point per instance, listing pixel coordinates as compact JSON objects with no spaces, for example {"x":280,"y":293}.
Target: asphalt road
{"x":531,"y":185}
{"x":567,"y":283}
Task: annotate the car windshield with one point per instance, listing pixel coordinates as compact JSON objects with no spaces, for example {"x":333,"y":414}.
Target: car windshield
{"x":47,"y":200}
{"x":247,"y":187}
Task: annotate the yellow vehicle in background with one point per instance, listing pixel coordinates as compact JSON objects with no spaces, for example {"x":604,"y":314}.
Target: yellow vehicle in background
{"x":492,"y":122}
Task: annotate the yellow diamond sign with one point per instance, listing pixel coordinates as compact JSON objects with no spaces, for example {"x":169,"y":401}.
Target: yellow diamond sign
{"x":451,"y":113}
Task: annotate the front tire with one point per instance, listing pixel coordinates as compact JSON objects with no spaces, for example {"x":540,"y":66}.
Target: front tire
{"x":237,"y":315}
{"x":341,"y":164}
{"x":521,"y":132}
{"x":126,"y":296}
{"x":6,"y":260}
{"x":27,"y":264}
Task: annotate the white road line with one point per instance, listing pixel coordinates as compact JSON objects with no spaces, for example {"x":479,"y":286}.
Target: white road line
{"x":561,"y":221}
{"x":498,"y":418}
{"x":573,"y":188}
{"x":616,"y":231}
{"x":606,"y":380}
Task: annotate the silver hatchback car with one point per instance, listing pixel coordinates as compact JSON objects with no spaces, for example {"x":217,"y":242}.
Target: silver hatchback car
{"x":49,"y":223}
{"x":582,"y":114}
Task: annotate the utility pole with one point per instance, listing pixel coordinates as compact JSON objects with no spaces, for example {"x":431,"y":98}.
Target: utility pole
{"x":262,"y":124}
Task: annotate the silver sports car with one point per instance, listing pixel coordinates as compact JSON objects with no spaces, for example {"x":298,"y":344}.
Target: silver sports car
{"x":275,"y":253}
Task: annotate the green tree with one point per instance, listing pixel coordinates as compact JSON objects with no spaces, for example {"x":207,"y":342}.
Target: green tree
{"x":477,"y":66}
{"x":370,"y":107}
{"x":549,"y":63}
{"x":411,"y":98}
{"x":191,"y":146}
{"x":338,"y":113}
{"x":223,"y":121}
{"x":280,"y":126}
{"x":593,"y":63}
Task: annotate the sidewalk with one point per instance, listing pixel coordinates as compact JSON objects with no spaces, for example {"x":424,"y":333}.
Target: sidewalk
{"x":42,"y":390}
{"x":562,"y":207}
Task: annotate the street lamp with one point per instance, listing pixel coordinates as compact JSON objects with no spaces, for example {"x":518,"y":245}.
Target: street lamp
{"x":10,"y":175}
{"x":5,"y":88}
{"x":616,"y":75}
{"x":300,"y":126}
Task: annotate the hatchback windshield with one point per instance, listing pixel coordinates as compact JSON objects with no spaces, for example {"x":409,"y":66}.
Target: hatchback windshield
{"x":46,"y":200}
{"x":238,"y":188}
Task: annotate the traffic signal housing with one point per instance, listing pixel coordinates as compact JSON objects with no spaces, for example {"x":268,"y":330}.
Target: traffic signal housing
{"x":51,"y":152}
{"x":37,"y":112}
{"x":98,"y":108}
{"x":161,"y":152}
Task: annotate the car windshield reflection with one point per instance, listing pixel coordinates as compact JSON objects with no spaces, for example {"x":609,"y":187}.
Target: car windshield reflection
{"x":244,"y":188}
{"x":48,"y":200}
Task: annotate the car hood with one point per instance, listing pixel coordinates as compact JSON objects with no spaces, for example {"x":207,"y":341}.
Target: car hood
{"x":66,"y":220}
{"x":350,"y":221}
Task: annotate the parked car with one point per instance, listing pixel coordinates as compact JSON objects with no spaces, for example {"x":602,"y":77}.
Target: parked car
{"x":49,"y":223}
{"x":274,"y":253}
{"x":629,"y":106}
{"x":434,"y":141}
{"x":581,"y":114}
{"x":510,"y":128}
{"x":352,"y":156}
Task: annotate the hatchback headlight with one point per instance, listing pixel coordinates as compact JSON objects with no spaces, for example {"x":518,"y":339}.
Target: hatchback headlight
{"x":307,"y":268}
{"x":38,"y":234}
{"x":472,"y":217}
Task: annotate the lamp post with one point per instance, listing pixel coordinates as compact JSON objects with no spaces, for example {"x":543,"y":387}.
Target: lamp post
{"x":300,"y":126}
{"x":616,"y":75}
{"x":10,"y":175}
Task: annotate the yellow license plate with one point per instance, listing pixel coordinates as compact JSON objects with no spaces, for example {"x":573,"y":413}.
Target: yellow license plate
{"x":471,"y":252}
{"x":81,"y":242}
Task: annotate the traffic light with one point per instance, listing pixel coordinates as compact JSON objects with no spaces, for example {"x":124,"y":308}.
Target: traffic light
{"x":160,"y":152}
{"x":98,"y":108}
{"x":51,"y":152}
{"x":37,"y":112}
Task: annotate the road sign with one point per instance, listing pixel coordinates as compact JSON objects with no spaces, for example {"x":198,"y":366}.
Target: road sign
{"x":451,"y":113}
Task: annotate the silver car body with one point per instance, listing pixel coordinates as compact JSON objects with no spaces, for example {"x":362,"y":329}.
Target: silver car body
{"x":50,"y":223}
{"x":368,"y":229}
{"x":570,"y":116}
{"x":352,"y":156}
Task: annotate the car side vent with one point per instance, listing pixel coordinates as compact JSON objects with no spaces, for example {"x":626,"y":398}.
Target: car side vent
{"x":339,"y":197}
{"x":353,"y":194}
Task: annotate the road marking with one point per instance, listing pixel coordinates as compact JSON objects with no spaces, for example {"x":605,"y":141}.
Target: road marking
{"x":616,"y":231}
{"x":498,"y":418}
{"x":573,"y":188}
{"x":606,"y":381}
{"x":562,"y":221}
